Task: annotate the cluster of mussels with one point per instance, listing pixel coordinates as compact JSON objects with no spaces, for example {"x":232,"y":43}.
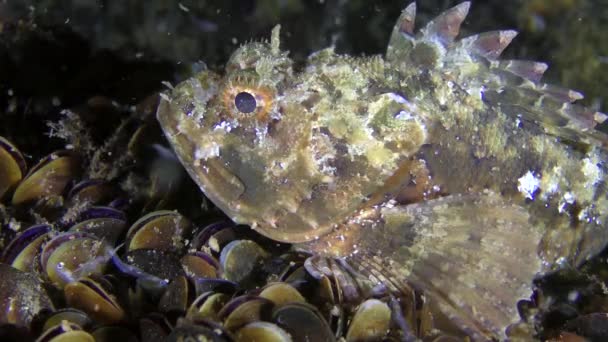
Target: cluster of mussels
{"x":82,"y":261}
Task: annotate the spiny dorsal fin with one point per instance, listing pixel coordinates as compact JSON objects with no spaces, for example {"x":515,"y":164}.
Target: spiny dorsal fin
{"x":402,"y":36}
{"x":487,"y":44}
{"x":530,"y":70}
{"x":446,"y":26}
{"x":472,"y":65}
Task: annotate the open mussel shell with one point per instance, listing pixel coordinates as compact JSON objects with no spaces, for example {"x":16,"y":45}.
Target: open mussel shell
{"x":72,"y":315}
{"x":262,"y":331}
{"x":162,"y":230}
{"x":204,"y":238}
{"x":92,"y":191}
{"x":207,"y":306}
{"x":105,"y":223}
{"x":281,"y":294}
{"x":370,"y":323}
{"x":74,"y":255}
{"x":303,"y":322}
{"x":245,"y":309}
{"x":200,"y":265}
{"x":239,"y":260}
{"x":22,"y":296}
{"x":48,"y":178}
{"x":12,"y":166}
{"x":92,"y":297}
{"x":177,"y":296}
{"x":22,"y":251}
{"x":65,"y":332}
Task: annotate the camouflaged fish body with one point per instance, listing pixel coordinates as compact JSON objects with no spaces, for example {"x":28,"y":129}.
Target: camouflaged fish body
{"x":439,"y":164}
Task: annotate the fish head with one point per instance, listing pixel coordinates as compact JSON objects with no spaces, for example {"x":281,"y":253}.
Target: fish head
{"x":292,"y":154}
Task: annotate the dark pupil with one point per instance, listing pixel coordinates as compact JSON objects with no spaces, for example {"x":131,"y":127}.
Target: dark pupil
{"x":245,"y":102}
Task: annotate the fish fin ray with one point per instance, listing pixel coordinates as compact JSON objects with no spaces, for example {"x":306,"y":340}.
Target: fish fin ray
{"x":474,"y":255}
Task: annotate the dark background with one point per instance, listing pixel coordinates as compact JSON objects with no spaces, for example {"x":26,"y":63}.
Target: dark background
{"x":58,"y":53}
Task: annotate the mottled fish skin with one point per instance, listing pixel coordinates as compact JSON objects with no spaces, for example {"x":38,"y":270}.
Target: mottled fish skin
{"x":438,"y":163}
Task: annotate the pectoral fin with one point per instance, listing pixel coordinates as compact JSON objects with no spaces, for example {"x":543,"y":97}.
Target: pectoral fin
{"x":474,"y":256}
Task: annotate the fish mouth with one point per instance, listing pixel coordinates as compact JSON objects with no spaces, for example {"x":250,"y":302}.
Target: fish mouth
{"x":227,"y":191}
{"x":210,"y":174}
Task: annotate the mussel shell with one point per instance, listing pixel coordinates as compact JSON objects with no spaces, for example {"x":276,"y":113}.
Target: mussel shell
{"x":303,"y":322}
{"x":65,"y":332}
{"x":12,"y":166}
{"x":22,"y":251}
{"x":281,"y":294}
{"x":92,"y":191}
{"x":94,"y":212}
{"x":48,"y":178}
{"x":200,"y":265}
{"x":162,"y":230}
{"x":89,"y":296}
{"x":262,"y":331}
{"x":71,"y":256}
{"x":73,"y":315}
{"x":177,"y":296}
{"x":207,"y":306}
{"x":370,"y":322}
{"x":103,"y":222}
{"x":245,"y":309}
{"x":22,"y":296}
{"x":240,"y":258}
{"x":202,"y":237}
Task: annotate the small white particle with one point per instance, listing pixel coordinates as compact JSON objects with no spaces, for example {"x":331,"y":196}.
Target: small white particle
{"x":206,"y":152}
{"x":167,"y":84}
{"x":528,"y":184}
{"x":224,"y":125}
{"x":183,"y":8}
{"x":517,"y":123}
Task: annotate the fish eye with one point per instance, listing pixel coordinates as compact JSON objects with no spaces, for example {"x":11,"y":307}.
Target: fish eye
{"x":245,"y":102}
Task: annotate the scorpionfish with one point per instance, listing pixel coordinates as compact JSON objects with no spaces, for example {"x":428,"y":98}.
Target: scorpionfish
{"x":438,"y":164}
